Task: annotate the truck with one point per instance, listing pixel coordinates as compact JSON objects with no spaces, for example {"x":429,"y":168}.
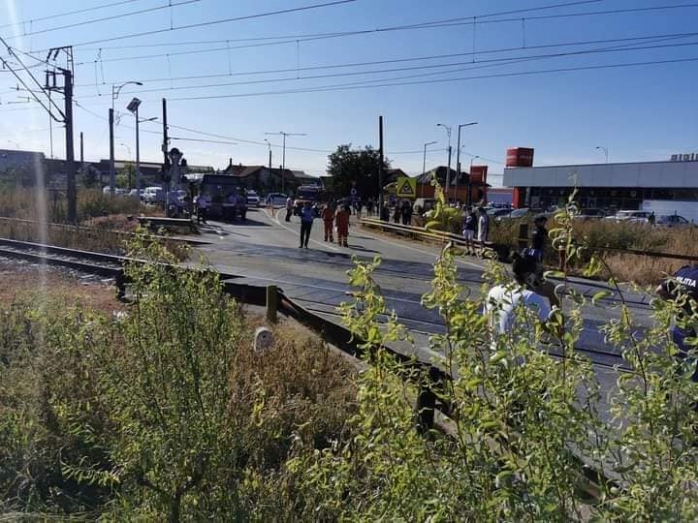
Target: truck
{"x":227,"y":197}
{"x":307,"y":193}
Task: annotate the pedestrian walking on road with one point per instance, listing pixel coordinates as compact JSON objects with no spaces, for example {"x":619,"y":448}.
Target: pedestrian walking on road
{"x":201,"y":208}
{"x":469,"y":226}
{"x":343,"y":225}
{"x":289,"y":208}
{"x":369,"y":207}
{"x":328,"y":221}
{"x":483,"y":226}
{"x":307,"y":217}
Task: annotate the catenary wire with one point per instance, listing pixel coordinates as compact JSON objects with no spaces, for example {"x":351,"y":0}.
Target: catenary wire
{"x":69,"y":13}
{"x":293,"y":38}
{"x":104,"y":19}
{"x":473,"y":64}
{"x":277,"y":12}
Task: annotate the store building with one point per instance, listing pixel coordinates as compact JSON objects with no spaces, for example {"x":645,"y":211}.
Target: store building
{"x":665,"y":187}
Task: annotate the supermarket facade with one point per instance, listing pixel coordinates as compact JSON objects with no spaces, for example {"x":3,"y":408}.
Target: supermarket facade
{"x":665,"y":187}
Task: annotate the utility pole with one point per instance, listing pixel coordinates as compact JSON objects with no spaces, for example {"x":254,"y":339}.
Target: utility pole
{"x":82,"y":155}
{"x":458,"y":158}
{"x":112,"y":171}
{"x":424,"y":166}
{"x":380,"y":167}
{"x":70,"y":147}
{"x":165,"y":140}
{"x":283,"y":156}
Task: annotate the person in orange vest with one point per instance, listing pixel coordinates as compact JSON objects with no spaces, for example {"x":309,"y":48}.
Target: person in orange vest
{"x":327,"y":216}
{"x":343,"y":225}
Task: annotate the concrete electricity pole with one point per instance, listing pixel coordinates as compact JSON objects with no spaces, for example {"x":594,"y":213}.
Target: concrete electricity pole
{"x":448,"y":168}
{"x":458,"y":156}
{"x":283,"y":156}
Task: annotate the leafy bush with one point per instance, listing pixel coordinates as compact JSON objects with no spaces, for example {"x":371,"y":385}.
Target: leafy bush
{"x":162,"y":413}
{"x":523,"y":421}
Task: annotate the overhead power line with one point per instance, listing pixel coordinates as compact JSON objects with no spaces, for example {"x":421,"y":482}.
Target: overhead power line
{"x":452,"y":22}
{"x":220,"y":21}
{"x":477,"y":64}
{"x":105,"y":18}
{"x":342,"y":87}
{"x":32,"y":21}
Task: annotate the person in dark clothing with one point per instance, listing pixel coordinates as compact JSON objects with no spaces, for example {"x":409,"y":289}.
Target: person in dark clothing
{"x":397,"y":214}
{"x":538,"y":239}
{"x":369,"y":207}
{"x":406,"y":213}
{"x":307,"y":216}
{"x":652,"y":219}
{"x":682,"y":287}
{"x":385,"y":213}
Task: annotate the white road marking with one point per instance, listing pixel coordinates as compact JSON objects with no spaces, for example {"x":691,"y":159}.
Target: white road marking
{"x":321,"y":244}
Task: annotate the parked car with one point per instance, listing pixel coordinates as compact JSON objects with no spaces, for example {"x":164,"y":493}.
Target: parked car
{"x":673,"y":220}
{"x":152,"y":194}
{"x":630,"y":216}
{"x":514,"y":214}
{"x":590,"y":214}
{"x":493,"y":212}
{"x":276,"y":199}
{"x":253,"y":199}
{"x":117,"y":191}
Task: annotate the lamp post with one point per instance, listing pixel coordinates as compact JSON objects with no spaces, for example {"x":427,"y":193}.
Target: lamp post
{"x":283,"y":156}
{"x":133,"y":108}
{"x":458,"y":157}
{"x":448,"y":168}
{"x":115,"y":90}
{"x":604,"y":149}
{"x":424,"y":165}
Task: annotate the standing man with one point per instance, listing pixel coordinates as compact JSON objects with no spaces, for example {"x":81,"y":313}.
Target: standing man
{"x":307,"y":217}
{"x":289,"y":208}
{"x":483,"y":226}
{"x":343,"y":225}
{"x":406,"y":212}
{"x":328,"y":221}
{"x":683,"y":288}
{"x":201,"y":208}
{"x":469,"y":225}
{"x":538,"y":239}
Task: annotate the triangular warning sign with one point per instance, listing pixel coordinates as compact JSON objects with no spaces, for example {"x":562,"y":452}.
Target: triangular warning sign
{"x":405,"y":189}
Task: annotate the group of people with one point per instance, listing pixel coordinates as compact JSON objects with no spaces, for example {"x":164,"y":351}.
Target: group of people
{"x":330,"y":217}
{"x":403,"y":212}
{"x":476,"y":228}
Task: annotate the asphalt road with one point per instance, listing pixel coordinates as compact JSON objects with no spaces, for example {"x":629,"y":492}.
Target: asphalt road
{"x":264,"y":250}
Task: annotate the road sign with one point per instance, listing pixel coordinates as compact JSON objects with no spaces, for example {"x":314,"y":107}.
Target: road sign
{"x":353,"y":191}
{"x":406,"y":187}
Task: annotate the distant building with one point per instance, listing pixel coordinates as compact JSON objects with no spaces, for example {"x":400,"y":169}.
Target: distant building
{"x":263,"y":179}
{"x":11,"y":159}
{"x":459,"y":187}
{"x":665,"y":187}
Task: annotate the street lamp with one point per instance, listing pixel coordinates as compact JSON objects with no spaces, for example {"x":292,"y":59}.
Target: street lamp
{"x":115,"y":90}
{"x":604,"y":149}
{"x":458,"y":159}
{"x":448,"y":168}
{"x":424,"y":164}
{"x":283,"y":156}
{"x":133,"y":108}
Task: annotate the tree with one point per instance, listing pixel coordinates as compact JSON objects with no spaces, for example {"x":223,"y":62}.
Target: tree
{"x":355,"y":168}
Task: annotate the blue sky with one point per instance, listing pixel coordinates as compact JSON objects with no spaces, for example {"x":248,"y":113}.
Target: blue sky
{"x":639,"y":113}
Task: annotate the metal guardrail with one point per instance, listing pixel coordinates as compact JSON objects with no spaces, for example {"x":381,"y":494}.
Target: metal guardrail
{"x":422,"y":233}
